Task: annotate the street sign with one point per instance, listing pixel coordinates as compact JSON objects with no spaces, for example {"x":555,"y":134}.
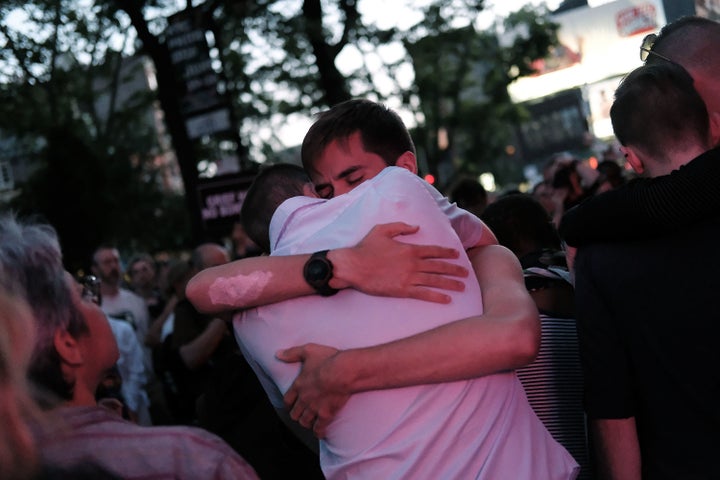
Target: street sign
{"x":190,"y":55}
{"x":209,"y":123}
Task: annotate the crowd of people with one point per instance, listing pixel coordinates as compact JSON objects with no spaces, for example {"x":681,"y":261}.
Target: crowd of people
{"x":366,"y":326}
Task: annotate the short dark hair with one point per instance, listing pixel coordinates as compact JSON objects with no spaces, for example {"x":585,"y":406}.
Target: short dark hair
{"x":469,"y":194}
{"x":691,"y":41}
{"x":657,"y":108}
{"x":382,"y":131}
{"x":102,"y":246}
{"x":272,"y":186}
{"x":141,"y":257}
{"x":521,"y":224}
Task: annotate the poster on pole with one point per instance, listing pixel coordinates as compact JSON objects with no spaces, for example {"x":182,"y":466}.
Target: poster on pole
{"x":220,"y":199}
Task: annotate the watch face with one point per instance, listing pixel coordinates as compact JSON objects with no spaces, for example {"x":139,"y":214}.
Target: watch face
{"x":317,"y":270}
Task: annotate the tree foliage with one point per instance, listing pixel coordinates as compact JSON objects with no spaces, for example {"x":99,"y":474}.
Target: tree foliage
{"x":60,"y":103}
{"x":91,"y":152}
{"x":460,"y":90}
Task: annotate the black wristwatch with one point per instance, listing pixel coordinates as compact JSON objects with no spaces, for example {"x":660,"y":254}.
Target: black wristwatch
{"x":318,"y":271}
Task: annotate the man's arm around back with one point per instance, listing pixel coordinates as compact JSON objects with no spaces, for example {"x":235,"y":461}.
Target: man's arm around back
{"x":505,"y":337}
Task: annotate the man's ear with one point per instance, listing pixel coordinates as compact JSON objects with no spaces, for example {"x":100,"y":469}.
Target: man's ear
{"x":67,"y":347}
{"x":407,"y":160}
{"x":632,"y":158}
{"x":715,"y":128}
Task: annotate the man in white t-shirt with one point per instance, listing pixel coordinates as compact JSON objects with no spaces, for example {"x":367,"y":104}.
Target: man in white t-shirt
{"x":116,"y":301}
{"x":480,"y":428}
{"x":122,"y":305}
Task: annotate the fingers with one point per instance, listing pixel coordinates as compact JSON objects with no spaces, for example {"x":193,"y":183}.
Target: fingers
{"x":422,"y":291}
{"x":307,"y":419}
{"x":320,"y":427}
{"x":290,"y":398}
{"x":394,"y":229}
{"x":438,"y":281}
{"x":433,"y":251}
{"x":291,"y":355}
{"x":428,"y":295}
{"x":441,"y":267}
{"x":296,"y":411}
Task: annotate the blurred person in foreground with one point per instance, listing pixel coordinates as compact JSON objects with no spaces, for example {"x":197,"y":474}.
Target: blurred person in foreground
{"x":18,"y":457}
{"x":19,"y":414}
{"x":647,"y":320}
{"x":73,"y":350}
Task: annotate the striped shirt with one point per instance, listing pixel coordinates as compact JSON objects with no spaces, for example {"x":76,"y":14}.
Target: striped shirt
{"x":554,"y":387}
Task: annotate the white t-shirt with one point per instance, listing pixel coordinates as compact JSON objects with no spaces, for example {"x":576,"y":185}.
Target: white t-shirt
{"x":131,"y":308}
{"x":132,"y":370}
{"x":482,"y":428}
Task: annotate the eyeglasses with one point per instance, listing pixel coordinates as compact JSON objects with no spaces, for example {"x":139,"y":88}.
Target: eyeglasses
{"x":91,"y":289}
{"x":646,"y":48}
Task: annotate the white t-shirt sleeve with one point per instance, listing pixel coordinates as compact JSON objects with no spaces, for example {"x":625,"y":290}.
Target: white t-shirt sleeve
{"x":468,"y":227}
{"x":130,"y":365}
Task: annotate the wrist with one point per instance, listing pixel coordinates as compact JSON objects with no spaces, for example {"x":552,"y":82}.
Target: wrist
{"x":343,"y":261}
{"x":342,"y":372}
{"x":318,"y":272}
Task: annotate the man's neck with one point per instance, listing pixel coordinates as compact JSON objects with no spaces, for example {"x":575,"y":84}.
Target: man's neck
{"x":82,"y":397}
{"x":109,"y":290}
{"x":677,"y":159}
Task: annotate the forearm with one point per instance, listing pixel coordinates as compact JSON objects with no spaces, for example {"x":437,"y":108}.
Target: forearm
{"x":248,"y":283}
{"x":453,"y":352}
{"x":378,"y":265}
{"x":617,"y":449}
{"x":255,"y":281}
{"x":153,"y":337}
{"x":197,"y":352}
{"x":505,"y":337}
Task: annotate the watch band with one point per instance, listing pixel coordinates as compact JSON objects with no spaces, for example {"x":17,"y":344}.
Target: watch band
{"x":318,"y":272}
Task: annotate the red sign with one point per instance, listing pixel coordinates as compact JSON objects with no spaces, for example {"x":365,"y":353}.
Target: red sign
{"x":635,"y":20}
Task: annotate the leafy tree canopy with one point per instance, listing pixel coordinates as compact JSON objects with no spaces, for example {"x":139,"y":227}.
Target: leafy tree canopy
{"x":63,"y":63}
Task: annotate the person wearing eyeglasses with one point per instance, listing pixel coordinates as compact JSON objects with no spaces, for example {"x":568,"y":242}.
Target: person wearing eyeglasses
{"x":73,"y":348}
{"x":684,"y":197}
{"x":647,"y":317}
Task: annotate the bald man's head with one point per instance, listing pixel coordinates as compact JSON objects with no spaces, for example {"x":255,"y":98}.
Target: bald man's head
{"x":209,"y":255}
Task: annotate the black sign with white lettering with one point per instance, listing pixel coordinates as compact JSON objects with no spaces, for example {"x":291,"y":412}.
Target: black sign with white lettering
{"x":190,"y":54}
{"x":220,"y":199}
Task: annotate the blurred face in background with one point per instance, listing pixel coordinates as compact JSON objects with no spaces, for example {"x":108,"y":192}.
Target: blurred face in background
{"x":543,"y":193}
{"x":106,"y":265}
{"x":142,"y":274}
